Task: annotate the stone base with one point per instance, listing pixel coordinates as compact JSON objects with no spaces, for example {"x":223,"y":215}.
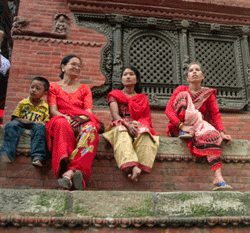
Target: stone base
{"x":104,"y":209}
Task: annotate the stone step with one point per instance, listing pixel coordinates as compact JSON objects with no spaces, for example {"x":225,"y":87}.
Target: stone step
{"x":121,"y":209}
{"x":174,"y":170}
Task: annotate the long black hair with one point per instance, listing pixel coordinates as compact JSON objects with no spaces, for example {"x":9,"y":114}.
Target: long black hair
{"x":65,"y":61}
{"x":138,"y":77}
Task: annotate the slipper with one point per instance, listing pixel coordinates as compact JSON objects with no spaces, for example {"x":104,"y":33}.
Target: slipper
{"x":185,"y":135}
{"x":222,"y":186}
{"x":65,"y":182}
{"x":77,"y":180}
{"x":37,"y":163}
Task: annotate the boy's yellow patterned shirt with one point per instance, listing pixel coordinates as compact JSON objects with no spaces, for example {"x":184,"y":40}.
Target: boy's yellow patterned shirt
{"x":26,"y":110}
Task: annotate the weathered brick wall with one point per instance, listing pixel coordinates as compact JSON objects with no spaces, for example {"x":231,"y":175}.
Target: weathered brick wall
{"x":166,"y":176}
{"x":39,"y":56}
{"x":34,"y":56}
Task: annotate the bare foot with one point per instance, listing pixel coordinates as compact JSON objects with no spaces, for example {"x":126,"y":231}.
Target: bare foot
{"x":136,"y":172}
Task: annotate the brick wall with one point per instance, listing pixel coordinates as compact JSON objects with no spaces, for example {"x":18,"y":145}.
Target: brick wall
{"x":166,"y":176}
{"x":33,"y":56}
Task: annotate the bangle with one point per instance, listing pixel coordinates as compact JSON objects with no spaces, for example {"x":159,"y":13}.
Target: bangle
{"x":222,"y":131}
{"x":180,"y":125}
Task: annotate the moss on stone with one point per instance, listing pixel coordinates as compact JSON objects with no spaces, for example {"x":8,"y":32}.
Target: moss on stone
{"x":59,"y":205}
{"x":141,"y":210}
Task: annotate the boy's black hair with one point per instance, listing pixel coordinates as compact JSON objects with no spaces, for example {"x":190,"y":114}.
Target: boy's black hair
{"x":44,"y":81}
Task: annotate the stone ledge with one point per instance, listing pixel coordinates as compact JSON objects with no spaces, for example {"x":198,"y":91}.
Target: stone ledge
{"x":171,"y":149}
{"x":137,"y":209}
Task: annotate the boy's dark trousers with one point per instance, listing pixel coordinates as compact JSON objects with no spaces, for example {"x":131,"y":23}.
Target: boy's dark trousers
{"x":14,"y":129}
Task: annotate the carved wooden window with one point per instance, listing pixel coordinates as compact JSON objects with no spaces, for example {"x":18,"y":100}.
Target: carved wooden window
{"x":160,"y":50}
{"x":221,"y":59}
{"x":155,"y":56}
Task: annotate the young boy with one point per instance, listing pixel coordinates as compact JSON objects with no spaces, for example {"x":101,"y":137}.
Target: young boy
{"x":31,"y":113}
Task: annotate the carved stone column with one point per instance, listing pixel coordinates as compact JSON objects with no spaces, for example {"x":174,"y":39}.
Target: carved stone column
{"x":118,"y":62}
{"x":246,"y":61}
{"x":184,"y":47}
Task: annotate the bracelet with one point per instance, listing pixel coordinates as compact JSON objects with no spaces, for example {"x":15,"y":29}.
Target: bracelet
{"x":180,"y":124}
{"x":222,"y":131}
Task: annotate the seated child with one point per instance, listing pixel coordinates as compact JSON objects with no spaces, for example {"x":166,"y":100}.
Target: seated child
{"x":31,"y":113}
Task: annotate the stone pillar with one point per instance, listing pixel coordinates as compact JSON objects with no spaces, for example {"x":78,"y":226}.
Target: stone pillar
{"x":246,"y":61}
{"x":118,"y":61}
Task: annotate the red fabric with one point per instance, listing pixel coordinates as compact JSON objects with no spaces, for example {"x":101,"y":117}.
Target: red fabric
{"x":209,"y":110}
{"x":61,"y":139}
{"x":81,"y":98}
{"x":1,"y":112}
{"x":205,"y":143}
{"x":138,"y":107}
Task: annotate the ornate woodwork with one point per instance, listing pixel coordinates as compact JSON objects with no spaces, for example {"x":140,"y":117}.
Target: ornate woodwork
{"x":162,"y":48}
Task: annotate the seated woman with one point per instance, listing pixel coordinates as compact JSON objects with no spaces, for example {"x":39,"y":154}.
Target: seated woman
{"x":194,"y":114}
{"x":70,"y":105}
{"x":130,"y":133}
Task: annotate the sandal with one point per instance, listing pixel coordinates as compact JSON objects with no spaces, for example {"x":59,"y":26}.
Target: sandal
{"x":185,"y":135}
{"x":78,"y":180}
{"x":37,"y":162}
{"x":65,"y":182}
{"x":222,"y":186}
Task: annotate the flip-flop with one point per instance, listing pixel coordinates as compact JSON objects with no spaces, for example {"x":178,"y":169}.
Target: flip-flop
{"x":65,"y":182}
{"x":77,"y":180}
{"x":185,"y":135}
{"x":222,"y":186}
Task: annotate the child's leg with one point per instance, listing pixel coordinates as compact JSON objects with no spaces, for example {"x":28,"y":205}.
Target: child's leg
{"x":13,"y":130}
{"x":38,"y":141}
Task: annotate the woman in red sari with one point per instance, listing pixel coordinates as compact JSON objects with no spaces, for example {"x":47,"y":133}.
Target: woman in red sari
{"x":131,"y":133}
{"x":194,"y":115}
{"x":72,"y":132}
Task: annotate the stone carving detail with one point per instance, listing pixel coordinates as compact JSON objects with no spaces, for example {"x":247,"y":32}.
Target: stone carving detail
{"x":185,"y":23}
{"x":18,"y":25}
{"x":13,"y":6}
{"x":61,"y":24}
{"x":152,"y":21}
{"x":215,"y":27}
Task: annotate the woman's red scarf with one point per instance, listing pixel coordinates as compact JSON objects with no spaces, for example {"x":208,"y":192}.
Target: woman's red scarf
{"x":138,"y":107}
{"x":71,"y":110}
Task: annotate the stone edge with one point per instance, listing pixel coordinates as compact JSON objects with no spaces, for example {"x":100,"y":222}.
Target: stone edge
{"x":150,"y":222}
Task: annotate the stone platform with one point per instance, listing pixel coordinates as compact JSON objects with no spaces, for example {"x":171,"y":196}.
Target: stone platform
{"x":122,"y":210}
